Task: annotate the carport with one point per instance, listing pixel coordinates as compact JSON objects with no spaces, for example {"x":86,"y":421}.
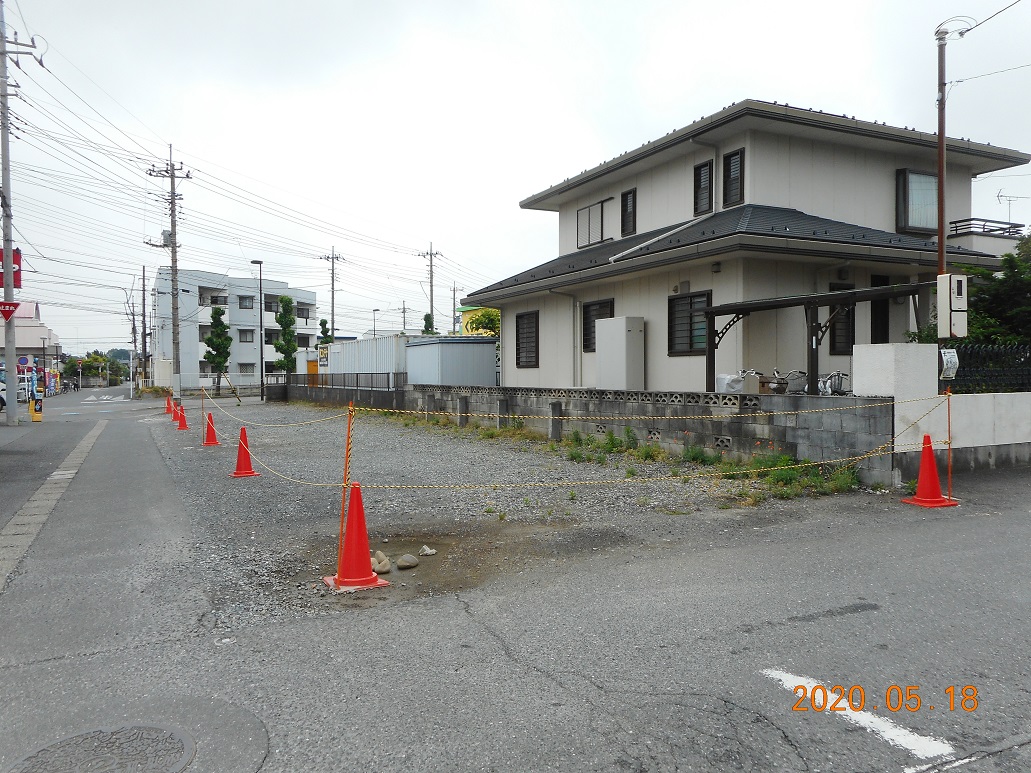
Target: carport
{"x":839,"y":302}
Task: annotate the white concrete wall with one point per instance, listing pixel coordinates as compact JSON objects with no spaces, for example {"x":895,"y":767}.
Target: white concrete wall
{"x":909,"y":374}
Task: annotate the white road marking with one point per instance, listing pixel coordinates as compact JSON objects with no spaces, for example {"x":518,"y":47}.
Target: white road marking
{"x":920,"y":746}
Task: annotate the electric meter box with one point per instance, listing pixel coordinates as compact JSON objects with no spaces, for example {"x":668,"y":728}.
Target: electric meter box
{"x":952,"y":305}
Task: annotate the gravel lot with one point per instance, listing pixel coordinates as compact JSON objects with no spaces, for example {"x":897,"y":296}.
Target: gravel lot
{"x":264,"y":543}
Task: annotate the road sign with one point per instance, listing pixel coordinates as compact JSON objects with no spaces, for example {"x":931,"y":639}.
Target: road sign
{"x":8,"y":308}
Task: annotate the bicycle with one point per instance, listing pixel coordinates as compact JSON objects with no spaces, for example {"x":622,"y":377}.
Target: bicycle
{"x":797,"y":381}
{"x":728,"y":383}
{"x":832,"y":383}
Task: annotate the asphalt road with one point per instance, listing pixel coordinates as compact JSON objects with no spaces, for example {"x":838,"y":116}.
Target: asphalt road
{"x":672,"y":654}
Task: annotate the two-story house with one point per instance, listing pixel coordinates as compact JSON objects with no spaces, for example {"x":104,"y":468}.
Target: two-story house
{"x":251,"y":320}
{"x":739,"y":229}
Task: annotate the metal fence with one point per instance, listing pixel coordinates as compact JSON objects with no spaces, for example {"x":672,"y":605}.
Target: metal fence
{"x":986,"y":369}
{"x":381,"y":381}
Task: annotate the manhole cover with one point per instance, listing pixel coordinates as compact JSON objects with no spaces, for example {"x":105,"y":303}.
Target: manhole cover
{"x":133,"y":747}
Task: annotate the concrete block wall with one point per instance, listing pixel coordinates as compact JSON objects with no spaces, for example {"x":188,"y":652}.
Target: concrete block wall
{"x":820,"y":429}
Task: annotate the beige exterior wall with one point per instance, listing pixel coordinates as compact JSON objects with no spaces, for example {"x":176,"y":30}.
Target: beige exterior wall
{"x":839,"y":182}
{"x":764,"y":340}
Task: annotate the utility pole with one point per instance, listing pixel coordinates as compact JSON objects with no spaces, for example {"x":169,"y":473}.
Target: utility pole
{"x":10,"y":338}
{"x":940,"y":35}
{"x":454,"y":306}
{"x":404,"y":317}
{"x":332,"y":258}
{"x":431,"y":255}
{"x":170,"y":172}
{"x":144,"y":363}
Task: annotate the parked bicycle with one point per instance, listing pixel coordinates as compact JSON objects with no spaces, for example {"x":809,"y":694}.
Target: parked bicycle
{"x":832,"y":383}
{"x":797,"y":381}
{"x":728,"y":383}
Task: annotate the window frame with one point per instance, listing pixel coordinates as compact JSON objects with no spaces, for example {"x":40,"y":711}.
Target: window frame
{"x":727,"y":201}
{"x":249,"y":301}
{"x":253,"y":368}
{"x":707,"y":166}
{"x":672,"y":310}
{"x":249,"y":331}
{"x":589,"y":209}
{"x":588,"y":335}
{"x":628,"y":212}
{"x":843,"y":326}
{"x":528,"y":357}
{"x":903,"y":202}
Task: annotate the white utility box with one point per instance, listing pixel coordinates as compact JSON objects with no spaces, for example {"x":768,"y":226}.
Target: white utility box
{"x":619,"y":345}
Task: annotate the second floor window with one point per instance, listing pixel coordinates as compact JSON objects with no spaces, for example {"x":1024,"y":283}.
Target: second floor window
{"x":588,"y":225}
{"x":592,"y":312}
{"x":703,"y":188}
{"x":246,"y":336}
{"x":734,"y":178}
{"x":628,"y":213}
{"x":916,"y":201}
{"x":246,"y":301}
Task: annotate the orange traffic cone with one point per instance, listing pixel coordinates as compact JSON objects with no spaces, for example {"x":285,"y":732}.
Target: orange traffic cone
{"x":182,"y":418}
{"x":354,"y":566}
{"x":243,"y":459}
{"x":168,"y":404}
{"x":175,"y":413}
{"x":209,"y":433}
{"x":928,"y":489}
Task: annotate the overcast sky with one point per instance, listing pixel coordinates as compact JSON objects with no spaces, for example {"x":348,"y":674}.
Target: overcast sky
{"x":376,"y":128}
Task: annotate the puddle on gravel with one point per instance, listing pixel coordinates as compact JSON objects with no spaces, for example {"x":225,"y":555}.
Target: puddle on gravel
{"x":467,"y":557}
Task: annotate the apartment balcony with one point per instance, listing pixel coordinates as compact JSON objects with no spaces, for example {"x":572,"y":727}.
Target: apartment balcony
{"x":992,"y":236}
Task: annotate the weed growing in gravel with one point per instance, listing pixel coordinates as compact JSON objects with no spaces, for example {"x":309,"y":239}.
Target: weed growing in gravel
{"x":601,"y":459}
{"x":699,"y":455}
{"x":630,"y":438}
{"x":575,"y":455}
{"x":572,"y":496}
{"x":501,"y":516}
{"x":631,"y":472}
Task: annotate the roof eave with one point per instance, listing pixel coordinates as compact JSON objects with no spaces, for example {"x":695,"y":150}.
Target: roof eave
{"x":727,"y":246}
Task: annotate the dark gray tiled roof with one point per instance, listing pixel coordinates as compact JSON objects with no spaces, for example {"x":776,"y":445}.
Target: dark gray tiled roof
{"x":749,"y":219}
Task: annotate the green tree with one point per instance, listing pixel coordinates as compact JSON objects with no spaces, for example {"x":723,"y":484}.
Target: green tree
{"x":325,"y":337}
{"x":118,"y":354}
{"x":219,"y":341}
{"x":427,"y":325}
{"x":287,"y":343}
{"x":486,"y":321}
{"x":1000,"y":302}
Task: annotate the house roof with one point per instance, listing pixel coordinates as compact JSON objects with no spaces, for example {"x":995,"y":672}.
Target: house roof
{"x":781,"y":119}
{"x":750,"y":227}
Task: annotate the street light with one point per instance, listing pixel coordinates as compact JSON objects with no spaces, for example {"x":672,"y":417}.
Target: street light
{"x":374,"y":322}
{"x":261,"y":328}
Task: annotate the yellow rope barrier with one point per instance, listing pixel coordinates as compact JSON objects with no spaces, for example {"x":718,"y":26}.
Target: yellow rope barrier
{"x":886,"y":448}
